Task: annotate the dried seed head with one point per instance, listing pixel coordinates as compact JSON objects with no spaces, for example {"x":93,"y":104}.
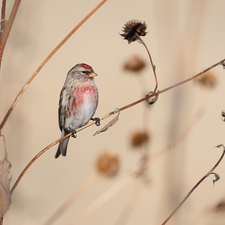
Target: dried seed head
{"x":108,"y":164}
{"x":131,"y":28}
{"x":134,"y":64}
{"x":207,"y":80}
{"x":139,"y":138}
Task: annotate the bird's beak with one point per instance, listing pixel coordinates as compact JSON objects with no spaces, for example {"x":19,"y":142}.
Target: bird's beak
{"x":93,"y":74}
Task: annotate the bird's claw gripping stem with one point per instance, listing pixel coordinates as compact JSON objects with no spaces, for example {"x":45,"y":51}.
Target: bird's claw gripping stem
{"x":73,"y":133}
{"x":97,"y":121}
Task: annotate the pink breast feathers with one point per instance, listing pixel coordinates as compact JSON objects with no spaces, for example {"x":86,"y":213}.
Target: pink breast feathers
{"x":85,"y":95}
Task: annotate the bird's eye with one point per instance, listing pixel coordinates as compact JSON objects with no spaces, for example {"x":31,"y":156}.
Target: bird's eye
{"x":84,"y":72}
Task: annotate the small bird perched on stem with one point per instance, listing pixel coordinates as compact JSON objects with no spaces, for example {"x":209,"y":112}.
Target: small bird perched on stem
{"x":77,"y":104}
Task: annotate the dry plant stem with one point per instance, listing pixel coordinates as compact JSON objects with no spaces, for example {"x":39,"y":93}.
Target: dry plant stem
{"x":3,"y":17}
{"x":190,"y":192}
{"x":109,"y":114}
{"x":153,"y":66}
{"x":44,"y":62}
{"x":8,"y":27}
{"x":80,"y":191}
{"x":1,"y":220}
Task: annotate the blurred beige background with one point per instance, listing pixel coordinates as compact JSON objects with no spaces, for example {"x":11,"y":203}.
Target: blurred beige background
{"x":184,"y":37}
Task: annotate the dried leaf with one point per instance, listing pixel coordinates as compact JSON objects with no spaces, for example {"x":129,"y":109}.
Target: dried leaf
{"x":106,"y":127}
{"x":5,"y":179}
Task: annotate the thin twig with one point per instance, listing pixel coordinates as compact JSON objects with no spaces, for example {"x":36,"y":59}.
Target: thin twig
{"x":44,"y":62}
{"x":190,"y":192}
{"x":153,"y":66}
{"x":8,"y":29}
{"x":1,"y":220}
{"x":3,"y":18}
{"x":3,"y":9}
{"x":107,"y":115}
{"x":80,"y":191}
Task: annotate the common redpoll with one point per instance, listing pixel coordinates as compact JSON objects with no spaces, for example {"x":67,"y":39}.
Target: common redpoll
{"x":78,"y":102}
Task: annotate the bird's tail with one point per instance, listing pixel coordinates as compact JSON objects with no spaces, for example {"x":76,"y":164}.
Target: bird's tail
{"x":62,"y":148}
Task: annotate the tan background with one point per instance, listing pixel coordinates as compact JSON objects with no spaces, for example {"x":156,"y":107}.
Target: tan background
{"x":184,"y":37}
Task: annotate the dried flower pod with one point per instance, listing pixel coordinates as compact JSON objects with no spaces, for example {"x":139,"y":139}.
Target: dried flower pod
{"x":108,"y":164}
{"x":134,"y":64}
{"x":207,"y":80}
{"x":139,"y":138}
{"x":131,"y":28}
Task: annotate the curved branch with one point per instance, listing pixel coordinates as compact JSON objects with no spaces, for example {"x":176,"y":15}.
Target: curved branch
{"x":190,"y":192}
{"x":8,"y":28}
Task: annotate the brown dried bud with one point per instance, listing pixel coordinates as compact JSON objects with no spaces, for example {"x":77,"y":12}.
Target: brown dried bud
{"x":134,"y":64}
{"x":139,"y":138}
{"x":108,"y":164}
{"x":131,"y":28}
{"x":208,"y":80}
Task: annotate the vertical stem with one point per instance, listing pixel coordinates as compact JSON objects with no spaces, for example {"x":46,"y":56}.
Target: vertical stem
{"x":153,"y":66}
{"x":8,"y":27}
{"x":3,"y":24}
{"x":3,"y":12}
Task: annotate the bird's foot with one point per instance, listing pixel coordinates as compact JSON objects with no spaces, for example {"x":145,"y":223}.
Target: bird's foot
{"x":73,"y":131}
{"x":97,"y":121}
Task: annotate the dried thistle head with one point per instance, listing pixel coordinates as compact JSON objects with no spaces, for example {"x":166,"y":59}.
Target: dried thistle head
{"x":139,"y":138}
{"x":131,"y":28}
{"x":134,"y":64}
{"x":108,"y":164}
{"x":207,"y":80}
